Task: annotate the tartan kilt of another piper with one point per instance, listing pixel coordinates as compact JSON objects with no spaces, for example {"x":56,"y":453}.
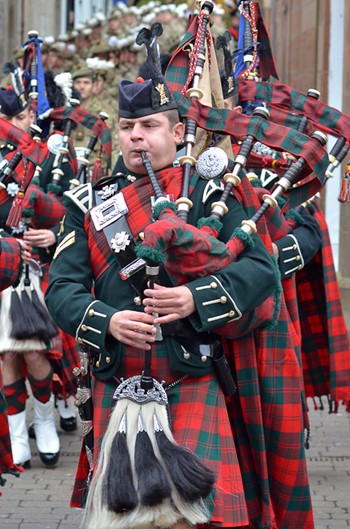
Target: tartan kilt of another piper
{"x":267,"y":419}
{"x":200,"y":422}
{"x":325,"y":341}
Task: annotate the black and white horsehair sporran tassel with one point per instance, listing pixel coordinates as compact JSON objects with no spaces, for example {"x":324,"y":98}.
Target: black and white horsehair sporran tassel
{"x":143,"y":478}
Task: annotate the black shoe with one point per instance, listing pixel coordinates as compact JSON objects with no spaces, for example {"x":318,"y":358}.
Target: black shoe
{"x":69,"y":424}
{"x":68,"y":414}
{"x":49,"y":460}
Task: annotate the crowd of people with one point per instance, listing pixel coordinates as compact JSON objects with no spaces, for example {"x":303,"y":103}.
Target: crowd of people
{"x":135,"y":283}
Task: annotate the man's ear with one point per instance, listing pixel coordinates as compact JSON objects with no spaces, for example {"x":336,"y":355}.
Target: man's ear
{"x":178,"y":132}
{"x":31,"y":115}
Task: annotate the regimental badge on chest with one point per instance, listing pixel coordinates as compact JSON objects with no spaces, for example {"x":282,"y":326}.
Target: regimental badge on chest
{"x":107,"y":191}
{"x":109,"y":211}
{"x":120,"y":241}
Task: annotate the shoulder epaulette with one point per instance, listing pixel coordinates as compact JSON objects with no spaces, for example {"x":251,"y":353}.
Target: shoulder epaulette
{"x":213,"y":186}
{"x":81,"y":196}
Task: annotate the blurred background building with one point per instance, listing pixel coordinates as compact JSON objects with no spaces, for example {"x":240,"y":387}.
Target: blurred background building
{"x":310,"y":43}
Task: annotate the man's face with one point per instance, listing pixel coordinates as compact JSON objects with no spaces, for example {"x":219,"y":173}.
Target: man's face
{"x":84,"y":85}
{"x":21,"y":120}
{"x":99,"y":85}
{"x":151,"y":134}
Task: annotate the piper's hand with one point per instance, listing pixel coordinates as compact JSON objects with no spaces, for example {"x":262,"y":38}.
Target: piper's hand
{"x":133,"y":328}
{"x":170,"y":303}
{"x":40,"y":238}
{"x":275,"y":250}
{"x":27,"y":250}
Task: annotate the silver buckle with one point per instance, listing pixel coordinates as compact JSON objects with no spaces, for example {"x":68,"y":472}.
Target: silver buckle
{"x":109,"y":211}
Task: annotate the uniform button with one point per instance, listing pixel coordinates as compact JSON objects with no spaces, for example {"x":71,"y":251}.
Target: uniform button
{"x":97,"y":363}
{"x":294,"y":246}
{"x":84,"y":328}
{"x":79,"y":340}
{"x":187,"y":356}
{"x":223,"y":299}
{"x":231,"y":313}
{"x":204,"y":358}
{"x":108,"y":359}
{"x":91,"y":313}
{"x":213,"y":285}
{"x":297,"y":258}
{"x":137,"y":301}
{"x":142,"y":236}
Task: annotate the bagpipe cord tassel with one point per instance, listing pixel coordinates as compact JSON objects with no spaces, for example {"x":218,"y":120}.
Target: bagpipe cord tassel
{"x":97,"y":168}
{"x":344,"y":195}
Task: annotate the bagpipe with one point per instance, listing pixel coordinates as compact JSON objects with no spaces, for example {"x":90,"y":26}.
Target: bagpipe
{"x":83,"y":171}
{"x":47,"y":112}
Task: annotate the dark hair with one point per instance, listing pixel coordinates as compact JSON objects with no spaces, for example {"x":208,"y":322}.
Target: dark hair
{"x":173,"y":117}
{"x":56,"y":97}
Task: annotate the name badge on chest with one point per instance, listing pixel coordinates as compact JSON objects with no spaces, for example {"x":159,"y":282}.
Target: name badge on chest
{"x":109,"y":211}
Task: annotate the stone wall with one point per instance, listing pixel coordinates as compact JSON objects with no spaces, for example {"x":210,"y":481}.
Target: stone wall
{"x":20,"y":16}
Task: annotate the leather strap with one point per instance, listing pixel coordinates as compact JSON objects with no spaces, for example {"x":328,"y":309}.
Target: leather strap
{"x":128,"y":256}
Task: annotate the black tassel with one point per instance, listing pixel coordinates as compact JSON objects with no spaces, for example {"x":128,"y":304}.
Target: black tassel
{"x":37,"y":325}
{"x":19,"y":323}
{"x":25,"y":323}
{"x":192,"y":479}
{"x":153,"y":484}
{"x":119,"y":491}
{"x":51,"y":330}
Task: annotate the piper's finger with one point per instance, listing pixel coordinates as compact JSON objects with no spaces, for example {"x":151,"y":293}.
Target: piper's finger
{"x":168,"y":318}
